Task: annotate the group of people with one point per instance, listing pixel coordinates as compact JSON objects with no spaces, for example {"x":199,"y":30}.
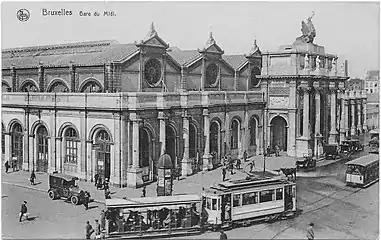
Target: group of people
{"x":102,"y":185}
{"x":276,"y":150}
{"x":99,"y":227}
{"x":228,"y":164}
{"x":13,"y":166}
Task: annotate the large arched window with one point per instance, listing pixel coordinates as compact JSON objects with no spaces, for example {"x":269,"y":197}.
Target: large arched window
{"x":29,"y":87}
{"x":42,"y":149}
{"x":103,"y":140}
{"x":192,"y":141}
{"x":92,"y":87}
{"x":252,"y":127}
{"x":143,"y":148}
{"x":71,"y":144}
{"x":58,"y":87}
{"x":234,"y":134}
{"x":17,"y":141}
{"x":214,"y":129}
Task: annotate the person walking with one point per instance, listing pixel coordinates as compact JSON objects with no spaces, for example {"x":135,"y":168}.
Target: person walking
{"x":231,"y":166}
{"x":223,"y":235}
{"x":6,"y":166}
{"x":223,"y":173}
{"x":310,"y":232}
{"x":99,"y":183}
{"x":89,"y":230}
{"x":97,"y":229}
{"x":32,"y":177}
{"x":103,"y":220}
{"x":105,"y":184}
{"x":96,"y":176}
{"x":144,"y":191}
{"x":23,"y":211}
{"x":107,"y":194}
{"x":86,"y":200}
{"x":252,"y":165}
{"x":277,"y":150}
{"x":238,"y":163}
{"x":245,"y":156}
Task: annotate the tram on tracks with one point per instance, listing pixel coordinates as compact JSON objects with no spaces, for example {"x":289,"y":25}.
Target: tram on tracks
{"x":225,"y":205}
{"x":362,"y":171}
{"x":374,"y":143}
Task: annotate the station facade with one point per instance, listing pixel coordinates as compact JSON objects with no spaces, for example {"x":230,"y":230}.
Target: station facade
{"x":110,"y":108}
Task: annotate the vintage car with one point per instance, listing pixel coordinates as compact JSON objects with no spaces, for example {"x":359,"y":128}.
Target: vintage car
{"x":64,"y":186}
{"x":354,"y":145}
{"x":308,"y":162}
{"x":331,"y":151}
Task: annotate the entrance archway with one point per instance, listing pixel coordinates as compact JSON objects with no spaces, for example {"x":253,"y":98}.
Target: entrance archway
{"x":145,"y":157}
{"x":42,"y":146}
{"x":279,"y":132}
{"x":17,"y":144}
{"x":103,"y":154}
{"x":214,"y":143}
{"x":170,"y":143}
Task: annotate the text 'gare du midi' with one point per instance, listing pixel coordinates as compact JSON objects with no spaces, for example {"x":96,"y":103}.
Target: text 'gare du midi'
{"x":114,"y":108}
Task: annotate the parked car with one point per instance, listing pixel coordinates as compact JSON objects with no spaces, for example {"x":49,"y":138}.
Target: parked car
{"x":64,"y":186}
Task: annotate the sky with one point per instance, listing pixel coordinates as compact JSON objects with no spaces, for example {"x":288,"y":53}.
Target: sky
{"x":350,"y":30}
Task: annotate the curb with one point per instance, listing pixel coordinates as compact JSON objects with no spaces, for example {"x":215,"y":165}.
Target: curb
{"x":41,"y":190}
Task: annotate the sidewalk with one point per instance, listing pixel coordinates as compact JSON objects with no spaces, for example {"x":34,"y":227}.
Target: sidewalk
{"x":189,"y":185}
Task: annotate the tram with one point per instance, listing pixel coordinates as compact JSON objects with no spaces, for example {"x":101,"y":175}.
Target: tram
{"x":243,"y":202}
{"x":374,"y":142}
{"x":362,"y":171}
{"x":152,"y":217}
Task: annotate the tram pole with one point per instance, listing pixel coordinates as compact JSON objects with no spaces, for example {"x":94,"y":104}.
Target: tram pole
{"x":264,"y":137}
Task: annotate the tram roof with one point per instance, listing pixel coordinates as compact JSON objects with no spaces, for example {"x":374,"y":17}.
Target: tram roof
{"x":163,"y":200}
{"x":374,"y":131}
{"x":364,"y":160}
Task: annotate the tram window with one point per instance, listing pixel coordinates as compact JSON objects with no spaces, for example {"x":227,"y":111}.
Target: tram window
{"x":266,"y":196}
{"x":214,"y":204}
{"x":279,"y":194}
{"x":236,"y":200}
{"x":208,"y":203}
{"x":248,"y":198}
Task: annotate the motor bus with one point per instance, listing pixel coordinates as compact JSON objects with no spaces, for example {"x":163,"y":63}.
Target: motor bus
{"x":242,"y":202}
{"x":152,"y":217}
{"x":362,"y":171}
{"x":374,"y":142}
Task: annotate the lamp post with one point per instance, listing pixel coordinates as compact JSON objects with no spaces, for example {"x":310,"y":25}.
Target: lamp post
{"x":164,"y":176}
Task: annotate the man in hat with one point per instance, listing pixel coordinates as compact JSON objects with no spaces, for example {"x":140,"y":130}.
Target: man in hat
{"x":6,"y":166}
{"x":144,"y":191}
{"x":23,"y":211}
{"x":86,"y":200}
{"x":223,"y":173}
{"x":223,"y":235}
{"x":97,"y":229}
{"x":310,"y":232}
{"x":32,"y":177}
{"x":89,"y":230}
{"x":103,"y":220}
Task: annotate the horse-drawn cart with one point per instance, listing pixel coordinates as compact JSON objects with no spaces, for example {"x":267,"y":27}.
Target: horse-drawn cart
{"x":307,"y":163}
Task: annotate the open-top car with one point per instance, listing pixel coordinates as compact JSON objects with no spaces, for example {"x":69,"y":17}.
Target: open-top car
{"x":65,"y":186}
{"x":331,"y":151}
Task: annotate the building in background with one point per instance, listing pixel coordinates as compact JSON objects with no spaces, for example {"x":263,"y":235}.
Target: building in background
{"x":356,"y":84}
{"x":372,"y":81}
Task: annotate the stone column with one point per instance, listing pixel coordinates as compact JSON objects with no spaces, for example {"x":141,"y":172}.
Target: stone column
{"x":58,"y":154}
{"x":318,"y":136}
{"x":8,"y":146}
{"x":15,"y":83}
{"x":134,"y":173}
{"x":183,"y":78}
{"x":342,"y":118}
{"x":90,"y":160}
{"x":359,"y":123}
{"x":162,"y":118}
{"x":186,"y":168}
{"x":206,"y":158}
{"x":333,"y":131}
{"x":245,"y":134}
{"x":73,"y":87}
{"x":364,"y":124}
{"x":303,"y":141}
{"x":353,"y":109}
{"x":291,"y":143}
{"x":41,"y":79}
{"x":346,"y":113}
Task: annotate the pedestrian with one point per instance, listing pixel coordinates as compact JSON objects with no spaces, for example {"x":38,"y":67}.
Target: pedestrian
{"x":268,"y":151}
{"x":252,"y":165}
{"x":14,"y":165}
{"x":86,"y":200}
{"x":103,"y":220}
{"x":144,"y":191}
{"x":231,"y":166}
{"x":96,"y":176}
{"x":89,"y":230}
{"x":245,"y":156}
{"x":97,"y":229}
{"x":99,"y":183}
{"x":23,"y":211}
{"x":223,"y":235}
{"x":277,"y":150}
{"x":6,"y":166}
{"x":32,"y":177}
{"x":105,"y":184}
{"x":238,"y":163}
{"x":107,"y":194}
{"x":223,"y":173}
{"x":310,"y":232}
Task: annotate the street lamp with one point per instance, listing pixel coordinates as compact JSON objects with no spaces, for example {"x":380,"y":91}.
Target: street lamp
{"x":164,"y":176}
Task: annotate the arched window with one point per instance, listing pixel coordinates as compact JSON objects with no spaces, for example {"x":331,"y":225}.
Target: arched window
{"x":2,"y":138}
{"x":92,"y":87}
{"x":42,"y":149}
{"x":71,"y":143}
{"x":103,"y":140}
{"x":143,"y":148}
{"x":192,"y":141}
{"x":214,"y":137}
{"x":29,"y":87}
{"x":58,"y":87}
{"x":5,"y":88}
{"x":17,"y":141}
{"x":234,"y":135}
{"x":252,"y":127}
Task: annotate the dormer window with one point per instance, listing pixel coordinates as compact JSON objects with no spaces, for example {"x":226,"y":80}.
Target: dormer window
{"x":254,"y":81}
{"x":211,"y":74}
{"x":152,"y":71}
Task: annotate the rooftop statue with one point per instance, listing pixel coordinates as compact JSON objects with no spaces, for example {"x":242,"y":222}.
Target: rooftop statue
{"x":308,"y":30}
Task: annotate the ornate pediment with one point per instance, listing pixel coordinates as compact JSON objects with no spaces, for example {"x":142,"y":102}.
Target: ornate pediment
{"x":211,"y":46}
{"x":153,"y":39}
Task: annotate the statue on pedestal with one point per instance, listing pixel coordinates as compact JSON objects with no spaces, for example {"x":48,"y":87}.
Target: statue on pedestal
{"x":306,"y":61}
{"x":318,"y":62}
{"x":333,"y":64}
{"x":308,"y":31}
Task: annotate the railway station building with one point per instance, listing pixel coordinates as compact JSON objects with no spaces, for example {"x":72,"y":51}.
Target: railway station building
{"x":114,"y":109}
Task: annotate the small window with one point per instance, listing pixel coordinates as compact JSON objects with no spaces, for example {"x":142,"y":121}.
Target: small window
{"x":214,"y":204}
{"x":237,"y":200}
{"x":208,"y":203}
{"x":279,"y":194}
{"x":248,"y":198}
{"x":266,"y":196}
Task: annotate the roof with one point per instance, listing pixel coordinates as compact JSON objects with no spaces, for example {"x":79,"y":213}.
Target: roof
{"x":163,"y":200}
{"x":235,"y":60}
{"x":64,"y":176}
{"x":184,"y":56}
{"x":374,"y":131}
{"x":365,"y":160}
{"x":84,"y":53}
{"x":373,"y":73}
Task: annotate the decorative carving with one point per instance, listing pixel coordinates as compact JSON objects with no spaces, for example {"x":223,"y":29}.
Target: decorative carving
{"x":308,"y":31}
{"x":279,"y":101}
{"x":306,"y":61}
{"x":333,"y":64}
{"x":279,"y":90}
{"x":211,"y":75}
{"x":318,"y":62}
{"x":152,"y":72}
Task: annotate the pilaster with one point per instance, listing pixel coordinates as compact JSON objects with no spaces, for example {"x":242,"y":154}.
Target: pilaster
{"x":333,"y":132}
{"x":364,"y":125}
{"x":134,"y":173}
{"x":15,"y":83}
{"x":302,"y":145}
{"x":162,"y":120}
{"x":291,"y":146}
{"x":318,"y":135}
{"x":359,"y":123}
{"x":184,"y":74}
{"x":207,"y":157}
{"x":186,"y":168}
{"x":41,"y":78}
{"x":73,"y":87}
{"x":342,"y":118}
{"x":353,"y":110}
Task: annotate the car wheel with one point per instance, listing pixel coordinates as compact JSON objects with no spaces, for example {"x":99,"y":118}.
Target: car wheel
{"x":52,"y":195}
{"x":74,"y":200}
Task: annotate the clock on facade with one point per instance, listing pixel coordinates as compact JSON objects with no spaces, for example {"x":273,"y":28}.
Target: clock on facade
{"x":253,"y":79}
{"x":152,"y":71}
{"x":211,"y":74}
